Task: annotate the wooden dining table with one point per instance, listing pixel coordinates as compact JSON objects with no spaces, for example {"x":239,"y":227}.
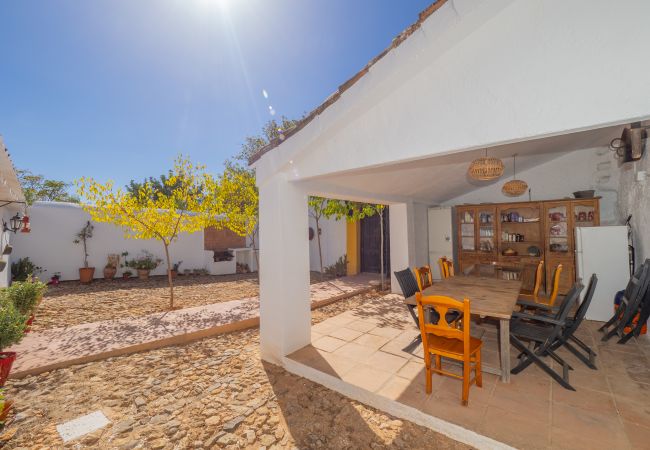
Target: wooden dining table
{"x":493,"y":291}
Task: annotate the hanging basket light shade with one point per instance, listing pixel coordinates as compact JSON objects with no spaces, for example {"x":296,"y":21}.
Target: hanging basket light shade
{"x":515,"y":188}
{"x":486,"y":168}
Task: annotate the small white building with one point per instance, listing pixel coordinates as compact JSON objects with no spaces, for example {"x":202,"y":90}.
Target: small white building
{"x":553,"y":82}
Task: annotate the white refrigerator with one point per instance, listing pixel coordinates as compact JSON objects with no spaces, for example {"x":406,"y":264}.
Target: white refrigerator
{"x":603,"y":251}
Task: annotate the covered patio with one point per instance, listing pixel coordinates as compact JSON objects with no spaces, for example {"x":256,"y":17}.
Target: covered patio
{"x":509,"y":78}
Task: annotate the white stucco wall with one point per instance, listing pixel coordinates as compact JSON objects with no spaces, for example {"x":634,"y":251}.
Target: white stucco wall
{"x":576,"y":171}
{"x":54,"y":226}
{"x":634,"y":198}
{"x":333,"y":242}
{"x":7,"y":237}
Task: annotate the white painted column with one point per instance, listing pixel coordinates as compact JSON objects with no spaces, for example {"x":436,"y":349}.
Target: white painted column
{"x":402,"y":240}
{"x":285,"y":313}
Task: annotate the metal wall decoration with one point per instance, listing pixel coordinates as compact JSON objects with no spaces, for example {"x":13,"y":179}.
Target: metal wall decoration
{"x":514,"y":187}
{"x":632,"y":143}
{"x":486,"y":168}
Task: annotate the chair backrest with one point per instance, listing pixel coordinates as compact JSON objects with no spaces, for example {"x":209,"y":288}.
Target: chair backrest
{"x":538,"y":278}
{"x":450,"y":267}
{"x":442,"y":305}
{"x":634,"y":294}
{"x":562,"y":313}
{"x":555,"y":284}
{"x":584,"y":306}
{"x":407,"y":282}
{"x":444,"y":267}
{"x":423,"y":277}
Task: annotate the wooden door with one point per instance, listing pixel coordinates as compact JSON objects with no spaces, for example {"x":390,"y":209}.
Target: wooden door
{"x":370,"y":232}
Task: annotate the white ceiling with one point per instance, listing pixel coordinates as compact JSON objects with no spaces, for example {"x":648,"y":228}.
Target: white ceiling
{"x":438,"y":179}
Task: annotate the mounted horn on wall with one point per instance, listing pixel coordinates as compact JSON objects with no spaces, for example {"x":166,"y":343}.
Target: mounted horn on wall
{"x":632,"y":143}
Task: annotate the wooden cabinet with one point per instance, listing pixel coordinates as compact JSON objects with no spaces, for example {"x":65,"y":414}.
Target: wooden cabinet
{"x":522,"y":233}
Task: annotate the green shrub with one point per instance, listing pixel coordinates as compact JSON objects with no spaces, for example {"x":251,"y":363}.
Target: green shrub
{"x":12,"y":324}
{"x":24,"y":295}
{"x":23,"y":268}
{"x":339,"y":268}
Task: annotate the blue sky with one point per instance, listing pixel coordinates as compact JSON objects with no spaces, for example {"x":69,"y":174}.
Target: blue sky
{"x":115,"y":89}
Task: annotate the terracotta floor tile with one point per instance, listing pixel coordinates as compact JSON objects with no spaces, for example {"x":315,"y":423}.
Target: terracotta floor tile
{"x":325,"y":327}
{"x":328,"y":363}
{"x":628,"y":389}
{"x":591,"y":423}
{"x":361,"y":326}
{"x":447,"y":405}
{"x":367,"y":377}
{"x":412,"y":370}
{"x":563,"y":439}
{"x":372,"y":341}
{"x":515,"y":429}
{"x":354,"y":351}
{"x":386,"y":361}
{"x":583,"y":398}
{"x":328,"y":343}
{"x":388,"y":332}
{"x":408,"y":392}
{"x":639,"y":436}
{"x":634,"y":412}
{"x":347,"y":334}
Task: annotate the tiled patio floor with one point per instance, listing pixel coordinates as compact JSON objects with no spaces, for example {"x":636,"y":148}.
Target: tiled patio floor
{"x":610,"y":409}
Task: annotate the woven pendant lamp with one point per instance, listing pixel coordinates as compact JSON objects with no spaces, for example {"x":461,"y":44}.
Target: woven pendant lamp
{"x":485,"y":168}
{"x":514,"y":187}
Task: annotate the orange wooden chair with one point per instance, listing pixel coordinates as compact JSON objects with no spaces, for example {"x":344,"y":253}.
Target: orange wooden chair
{"x":446,"y":267}
{"x":539,"y":274}
{"x":544,"y":302}
{"x":444,"y":340}
{"x":423,"y":277}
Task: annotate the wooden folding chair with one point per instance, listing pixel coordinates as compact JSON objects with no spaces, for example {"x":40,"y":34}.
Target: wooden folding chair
{"x":444,"y":340}
{"x":539,"y":275}
{"x":446,"y":267}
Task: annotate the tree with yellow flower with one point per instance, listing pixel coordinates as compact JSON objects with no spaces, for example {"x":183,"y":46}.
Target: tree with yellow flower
{"x":189,"y":203}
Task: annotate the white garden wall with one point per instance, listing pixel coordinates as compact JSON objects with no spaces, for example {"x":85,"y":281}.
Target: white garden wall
{"x":54,"y":226}
{"x":333,"y":241}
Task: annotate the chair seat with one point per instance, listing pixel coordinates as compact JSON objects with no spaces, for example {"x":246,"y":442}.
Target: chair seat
{"x":451,"y":347}
{"x":530,"y":331}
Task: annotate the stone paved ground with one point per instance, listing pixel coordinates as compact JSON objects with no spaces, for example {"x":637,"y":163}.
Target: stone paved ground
{"x":72,"y":303}
{"x":215,"y":393}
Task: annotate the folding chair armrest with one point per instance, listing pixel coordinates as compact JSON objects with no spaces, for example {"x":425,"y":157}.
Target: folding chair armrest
{"x":545,"y":319}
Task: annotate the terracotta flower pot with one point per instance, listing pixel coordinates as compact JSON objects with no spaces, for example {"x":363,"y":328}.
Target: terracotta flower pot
{"x":174,"y":273}
{"x":28,"y":324}
{"x":143,"y":274}
{"x":6,"y":410}
{"x":6,"y":361}
{"x":86,"y":274}
{"x":109,"y":273}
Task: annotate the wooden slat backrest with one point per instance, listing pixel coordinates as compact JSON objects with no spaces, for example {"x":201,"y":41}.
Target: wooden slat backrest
{"x":442,"y":305}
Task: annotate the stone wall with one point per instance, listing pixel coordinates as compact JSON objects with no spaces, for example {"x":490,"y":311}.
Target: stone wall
{"x":634,"y":199}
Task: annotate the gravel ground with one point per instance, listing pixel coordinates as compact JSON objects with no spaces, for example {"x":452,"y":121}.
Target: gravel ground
{"x":215,"y":393}
{"x":73,"y":303}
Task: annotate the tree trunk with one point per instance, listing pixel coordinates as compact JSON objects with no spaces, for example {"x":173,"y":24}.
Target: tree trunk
{"x":85,"y":254}
{"x":320,"y":251}
{"x":170,"y":280}
{"x":257,"y":257}
{"x":381,"y":247}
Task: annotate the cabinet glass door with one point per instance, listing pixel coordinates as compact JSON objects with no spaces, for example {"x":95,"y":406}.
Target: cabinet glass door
{"x":585,"y":214}
{"x":557,"y":229}
{"x":467,"y":230}
{"x":486,"y":230}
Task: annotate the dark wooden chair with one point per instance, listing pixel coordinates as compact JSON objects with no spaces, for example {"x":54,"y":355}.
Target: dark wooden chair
{"x":543,"y":332}
{"x":630,"y":304}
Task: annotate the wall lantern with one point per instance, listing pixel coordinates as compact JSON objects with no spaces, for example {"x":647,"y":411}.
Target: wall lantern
{"x":17,"y":223}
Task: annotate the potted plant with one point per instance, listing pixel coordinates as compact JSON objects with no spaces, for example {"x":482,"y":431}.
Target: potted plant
{"x":24,"y":269}
{"x":175,"y":268}
{"x":127,"y":274}
{"x":12,"y":326}
{"x":5,"y":407}
{"x":55,"y":279}
{"x":25,"y":296}
{"x":144,"y":264}
{"x":86,"y":273}
{"x":110,"y":269}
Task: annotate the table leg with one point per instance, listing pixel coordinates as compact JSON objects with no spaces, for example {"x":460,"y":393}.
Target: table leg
{"x":504,"y":349}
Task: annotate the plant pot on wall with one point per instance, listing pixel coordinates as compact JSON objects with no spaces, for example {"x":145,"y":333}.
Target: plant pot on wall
{"x":109,"y":272}
{"x":143,"y":274}
{"x":6,"y":361}
{"x":173,"y":273}
{"x":86,"y":274}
